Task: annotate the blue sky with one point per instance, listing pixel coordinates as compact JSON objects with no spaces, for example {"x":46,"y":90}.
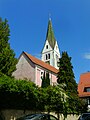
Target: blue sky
{"x":28,"y":20}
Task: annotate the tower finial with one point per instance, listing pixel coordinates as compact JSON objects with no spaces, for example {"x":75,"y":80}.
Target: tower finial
{"x":49,"y":16}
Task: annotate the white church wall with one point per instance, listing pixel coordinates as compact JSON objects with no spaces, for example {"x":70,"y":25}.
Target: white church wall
{"x":47,"y":49}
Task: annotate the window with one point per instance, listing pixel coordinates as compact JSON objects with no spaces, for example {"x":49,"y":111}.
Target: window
{"x":49,"y":56}
{"x":46,"y":46}
{"x":87,"y":89}
{"x":46,"y":57}
{"x":41,"y":75}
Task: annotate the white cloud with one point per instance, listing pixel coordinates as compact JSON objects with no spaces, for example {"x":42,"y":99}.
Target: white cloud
{"x":87,"y":55}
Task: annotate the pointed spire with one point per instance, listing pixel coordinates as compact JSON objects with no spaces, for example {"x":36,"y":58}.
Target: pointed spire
{"x":50,"y":34}
{"x":49,"y":16}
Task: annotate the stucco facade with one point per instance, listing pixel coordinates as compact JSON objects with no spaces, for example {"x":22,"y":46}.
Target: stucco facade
{"x":31,"y":68}
{"x":25,"y":69}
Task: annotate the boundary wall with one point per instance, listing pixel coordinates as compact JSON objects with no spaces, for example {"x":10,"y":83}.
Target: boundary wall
{"x":10,"y":114}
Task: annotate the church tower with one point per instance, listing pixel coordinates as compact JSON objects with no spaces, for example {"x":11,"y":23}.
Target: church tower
{"x":50,"y":52}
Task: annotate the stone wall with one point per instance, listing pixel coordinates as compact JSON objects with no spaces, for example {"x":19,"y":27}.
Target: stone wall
{"x":9,"y":114}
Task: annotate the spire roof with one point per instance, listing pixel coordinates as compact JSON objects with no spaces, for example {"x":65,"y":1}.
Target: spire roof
{"x":50,"y":35}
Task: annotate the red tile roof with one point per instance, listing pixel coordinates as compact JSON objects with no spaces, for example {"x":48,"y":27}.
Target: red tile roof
{"x":41,"y":63}
{"x":84,"y":83}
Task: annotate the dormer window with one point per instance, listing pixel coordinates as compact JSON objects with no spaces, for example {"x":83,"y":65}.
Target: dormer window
{"x":46,"y":46}
{"x":87,"y":89}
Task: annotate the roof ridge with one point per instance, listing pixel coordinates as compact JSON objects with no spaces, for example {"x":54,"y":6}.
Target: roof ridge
{"x":85,"y":73}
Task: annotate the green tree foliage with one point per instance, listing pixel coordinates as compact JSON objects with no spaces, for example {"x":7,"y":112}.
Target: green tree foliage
{"x":21,"y":94}
{"x":57,"y":96}
{"x":82,"y":106}
{"x":17,"y":93}
{"x":55,"y":99}
{"x":41,"y":99}
{"x":45,"y":80}
{"x":66,"y":76}
{"x":7,"y":55}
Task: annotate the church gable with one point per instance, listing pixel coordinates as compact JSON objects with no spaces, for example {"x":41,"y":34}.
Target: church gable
{"x":47,"y":47}
{"x":47,"y":52}
{"x":25,"y":69}
{"x":56,"y":48}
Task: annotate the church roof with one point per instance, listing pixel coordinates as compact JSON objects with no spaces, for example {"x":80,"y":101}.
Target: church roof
{"x":50,"y":35}
{"x":41,"y":63}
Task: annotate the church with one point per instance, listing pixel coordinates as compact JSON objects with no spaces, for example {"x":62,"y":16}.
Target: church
{"x":32,"y":68}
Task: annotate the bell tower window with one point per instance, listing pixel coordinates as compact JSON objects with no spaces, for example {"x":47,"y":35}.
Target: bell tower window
{"x":46,"y":46}
{"x":49,"y":56}
{"x":46,"y":57}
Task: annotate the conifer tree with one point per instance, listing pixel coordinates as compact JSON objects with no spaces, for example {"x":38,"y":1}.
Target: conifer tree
{"x":65,"y":74}
{"x":45,"y":80}
{"x":7,"y":55}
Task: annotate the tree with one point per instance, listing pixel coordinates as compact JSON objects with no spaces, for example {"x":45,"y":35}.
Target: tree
{"x":45,"y":80}
{"x":17,"y":94}
{"x":7,"y":55}
{"x":66,"y":76}
{"x":57,"y":100}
